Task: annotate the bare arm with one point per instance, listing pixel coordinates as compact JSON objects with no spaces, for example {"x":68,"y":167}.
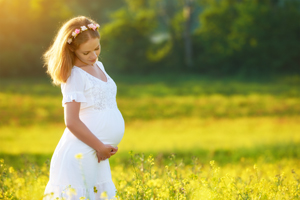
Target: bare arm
{"x":81,"y":131}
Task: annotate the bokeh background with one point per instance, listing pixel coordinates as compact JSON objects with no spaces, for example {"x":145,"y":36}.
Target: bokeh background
{"x":228,"y":37}
{"x":213,"y":79}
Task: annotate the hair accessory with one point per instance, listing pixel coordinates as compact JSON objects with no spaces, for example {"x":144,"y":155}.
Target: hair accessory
{"x":82,"y":28}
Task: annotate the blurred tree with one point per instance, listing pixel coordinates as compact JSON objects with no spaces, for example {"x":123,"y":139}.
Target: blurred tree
{"x":251,"y":38}
{"x":222,"y":37}
{"x":27,"y":26}
{"x":178,"y":16}
{"x":187,"y":14}
{"x":166,"y":34}
{"x":98,"y":10}
{"x":126,"y":37}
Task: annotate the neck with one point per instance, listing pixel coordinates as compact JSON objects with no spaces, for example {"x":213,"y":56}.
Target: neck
{"x":79,"y":63}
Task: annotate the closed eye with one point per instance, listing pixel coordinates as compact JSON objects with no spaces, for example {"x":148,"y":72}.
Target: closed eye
{"x":89,"y":52}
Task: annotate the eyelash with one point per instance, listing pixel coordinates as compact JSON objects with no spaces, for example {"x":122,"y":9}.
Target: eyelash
{"x":88,"y":53}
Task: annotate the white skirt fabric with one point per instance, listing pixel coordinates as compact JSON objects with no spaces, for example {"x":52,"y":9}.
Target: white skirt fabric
{"x":72,"y":177}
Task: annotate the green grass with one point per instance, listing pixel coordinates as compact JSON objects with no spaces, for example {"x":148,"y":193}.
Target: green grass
{"x":224,"y":140}
{"x":36,"y":101}
{"x":190,"y":115}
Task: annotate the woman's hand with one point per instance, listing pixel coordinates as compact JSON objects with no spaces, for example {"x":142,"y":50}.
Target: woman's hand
{"x":105,"y":151}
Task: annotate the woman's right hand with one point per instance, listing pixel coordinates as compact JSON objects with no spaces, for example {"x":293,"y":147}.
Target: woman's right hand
{"x":105,"y":152}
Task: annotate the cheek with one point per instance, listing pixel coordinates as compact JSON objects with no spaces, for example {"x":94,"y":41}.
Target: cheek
{"x":82,"y":57}
{"x":98,"y":51}
{"x":78,"y":55}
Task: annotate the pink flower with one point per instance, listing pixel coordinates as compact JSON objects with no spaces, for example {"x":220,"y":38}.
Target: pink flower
{"x":77,"y":31}
{"x":92,"y":26}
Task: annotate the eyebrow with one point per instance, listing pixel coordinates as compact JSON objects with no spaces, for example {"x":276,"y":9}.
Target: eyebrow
{"x":89,"y":51}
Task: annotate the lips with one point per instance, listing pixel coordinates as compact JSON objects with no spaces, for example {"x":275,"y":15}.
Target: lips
{"x":93,"y":60}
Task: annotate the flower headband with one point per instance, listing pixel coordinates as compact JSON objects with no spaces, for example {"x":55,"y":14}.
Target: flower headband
{"x":82,"y":28}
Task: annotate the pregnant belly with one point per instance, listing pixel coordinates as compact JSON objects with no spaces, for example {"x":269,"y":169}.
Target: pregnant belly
{"x":108,"y":126}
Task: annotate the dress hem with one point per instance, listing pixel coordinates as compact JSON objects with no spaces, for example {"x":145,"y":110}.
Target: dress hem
{"x":101,"y":191}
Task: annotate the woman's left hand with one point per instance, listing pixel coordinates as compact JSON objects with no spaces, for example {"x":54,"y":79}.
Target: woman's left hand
{"x":113,"y":151}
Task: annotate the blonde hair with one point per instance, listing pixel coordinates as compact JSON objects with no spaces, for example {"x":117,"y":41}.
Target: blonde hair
{"x":59,"y":58}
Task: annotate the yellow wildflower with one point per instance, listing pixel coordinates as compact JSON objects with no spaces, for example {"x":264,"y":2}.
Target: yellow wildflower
{"x":11,"y":170}
{"x":79,"y":156}
{"x":103,"y":194}
{"x":212,"y":163}
{"x":71,"y":192}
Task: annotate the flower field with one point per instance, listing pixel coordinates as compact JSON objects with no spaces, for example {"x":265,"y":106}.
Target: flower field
{"x":146,"y":180}
{"x":186,"y":138}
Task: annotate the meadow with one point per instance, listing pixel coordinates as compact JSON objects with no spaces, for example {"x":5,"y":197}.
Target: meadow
{"x":189,"y":137}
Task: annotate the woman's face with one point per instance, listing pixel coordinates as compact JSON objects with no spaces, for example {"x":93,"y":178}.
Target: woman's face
{"x":88,"y":52}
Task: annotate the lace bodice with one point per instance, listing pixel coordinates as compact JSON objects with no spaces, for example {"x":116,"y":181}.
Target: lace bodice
{"x":90,"y":91}
{"x":103,"y":93}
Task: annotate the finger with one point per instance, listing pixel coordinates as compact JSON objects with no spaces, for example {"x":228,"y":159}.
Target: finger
{"x":114,"y":150}
{"x":109,"y":146}
{"x":97,"y":156}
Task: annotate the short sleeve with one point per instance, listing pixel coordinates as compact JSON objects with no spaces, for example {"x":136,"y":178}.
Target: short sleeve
{"x":73,"y":89}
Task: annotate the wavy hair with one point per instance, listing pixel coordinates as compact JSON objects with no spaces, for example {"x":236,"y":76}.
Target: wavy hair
{"x":59,"y":58}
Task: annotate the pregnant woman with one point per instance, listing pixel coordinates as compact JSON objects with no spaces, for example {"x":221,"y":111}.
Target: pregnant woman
{"x":94,"y":125}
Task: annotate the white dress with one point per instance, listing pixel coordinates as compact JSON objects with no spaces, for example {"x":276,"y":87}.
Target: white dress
{"x":99,"y":112}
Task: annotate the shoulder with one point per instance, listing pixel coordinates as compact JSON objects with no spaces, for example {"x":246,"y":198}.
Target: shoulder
{"x":76,"y":77}
{"x":75,"y":70}
{"x":75,"y":73}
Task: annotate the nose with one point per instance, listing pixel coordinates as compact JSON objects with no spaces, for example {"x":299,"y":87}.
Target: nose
{"x":94,"y":55}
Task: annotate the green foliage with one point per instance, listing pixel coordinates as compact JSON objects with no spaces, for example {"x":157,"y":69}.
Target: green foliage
{"x":126,"y":38}
{"x":267,"y":153}
{"x":25,"y":102}
{"x":240,"y":37}
{"x":249,"y":37}
{"x":188,"y":111}
{"x":29,"y":25}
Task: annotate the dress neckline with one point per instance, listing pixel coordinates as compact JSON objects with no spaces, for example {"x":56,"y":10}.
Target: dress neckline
{"x":95,"y":76}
